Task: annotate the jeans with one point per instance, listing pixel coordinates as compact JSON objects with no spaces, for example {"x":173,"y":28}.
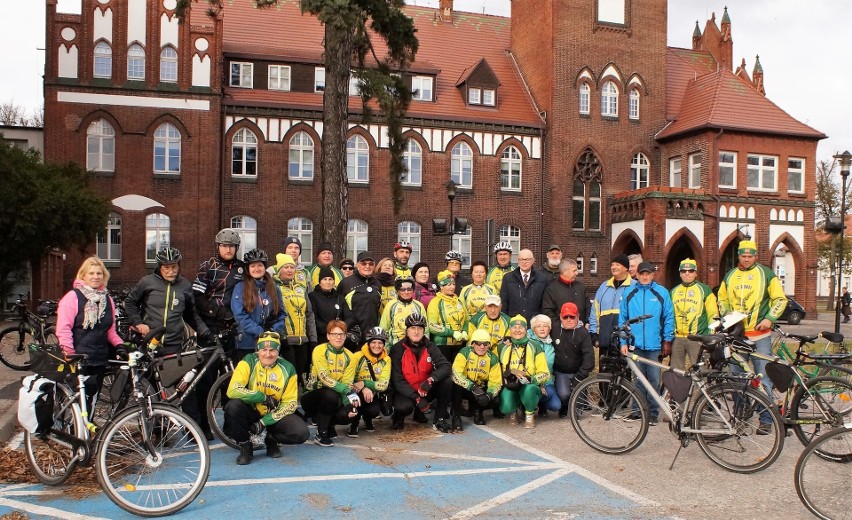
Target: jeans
{"x":653,"y":375}
{"x":564,"y":386}
{"x":551,"y":400}
{"x":762,"y":346}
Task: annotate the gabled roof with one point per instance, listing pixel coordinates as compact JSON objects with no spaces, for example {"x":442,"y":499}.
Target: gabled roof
{"x":682,"y":66}
{"x":448,"y":48}
{"x":721,"y":100}
{"x":482,"y":72}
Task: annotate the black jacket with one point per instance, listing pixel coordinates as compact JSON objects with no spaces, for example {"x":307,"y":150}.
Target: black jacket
{"x":518,"y":299}
{"x":213,"y":287}
{"x":558,"y":292}
{"x":573,"y":351}
{"x":327,"y":306}
{"x":363,"y":296}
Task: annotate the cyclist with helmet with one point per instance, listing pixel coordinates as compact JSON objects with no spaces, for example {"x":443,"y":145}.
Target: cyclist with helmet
{"x":419,"y":374}
{"x":299,"y":324}
{"x":395,"y":313}
{"x":447,"y":317}
{"x":217,"y":276}
{"x":477,"y":376}
{"x":372,"y":378}
{"x":256,"y":303}
{"x":324,"y":258}
{"x":503,"y":255}
{"x":402,"y":253}
{"x":454,"y":263}
{"x":473,"y":295}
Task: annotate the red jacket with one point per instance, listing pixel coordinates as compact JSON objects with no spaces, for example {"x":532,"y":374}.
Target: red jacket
{"x":411,"y":365}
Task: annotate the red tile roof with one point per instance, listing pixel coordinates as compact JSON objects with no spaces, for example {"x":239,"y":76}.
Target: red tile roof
{"x":283,"y":32}
{"x":682,"y":66}
{"x":722,"y":100}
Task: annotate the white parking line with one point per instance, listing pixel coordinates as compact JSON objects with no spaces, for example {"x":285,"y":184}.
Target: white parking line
{"x":46,"y":511}
{"x":510,"y":495}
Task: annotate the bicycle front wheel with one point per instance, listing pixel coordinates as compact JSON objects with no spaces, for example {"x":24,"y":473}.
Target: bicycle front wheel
{"x":155,"y":474}
{"x":13,"y":348}
{"x":216,"y":400}
{"x":608,"y":417}
{"x":747,"y":446}
{"x":826,"y":402}
{"x":823,"y":483}
{"x":51,"y":458}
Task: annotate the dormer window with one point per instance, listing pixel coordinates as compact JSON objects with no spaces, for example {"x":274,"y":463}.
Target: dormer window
{"x":478,"y":85}
{"x":421,"y":88}
{"x":242,"y":74}
{"x":488,"y":96}
{"x":474,"y":96}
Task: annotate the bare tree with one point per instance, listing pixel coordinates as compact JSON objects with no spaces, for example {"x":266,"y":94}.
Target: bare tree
{"x":827,"y":202}
{"x":11,"y":114}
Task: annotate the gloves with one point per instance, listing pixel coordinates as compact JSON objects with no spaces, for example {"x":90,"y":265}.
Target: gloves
{"x":271,"y":403}
{"x":354,"y":335}
{"x":594,"y":336}
{"x":666,"y":349}
{"x":464,"y":335}
{"x":482,"y":399}
{"x":457,"y":335}
{"x":422,"y":404}
{"x":426,"y":385}
{"x":223,"y":314}
{"x":205,"y":338}
{"x":122,"y":352}
{"x":256,"y":428}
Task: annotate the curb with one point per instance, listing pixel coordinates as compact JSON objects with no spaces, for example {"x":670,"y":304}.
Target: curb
{"x":8,"y":422}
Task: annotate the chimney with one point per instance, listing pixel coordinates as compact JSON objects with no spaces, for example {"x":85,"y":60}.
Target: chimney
{"x":446,"y":10}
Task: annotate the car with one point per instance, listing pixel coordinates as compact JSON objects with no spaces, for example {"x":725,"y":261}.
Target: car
{"x":793,"y":313}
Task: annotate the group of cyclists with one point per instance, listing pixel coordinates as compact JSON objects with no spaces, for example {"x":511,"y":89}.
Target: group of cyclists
{"x":341,"y":344}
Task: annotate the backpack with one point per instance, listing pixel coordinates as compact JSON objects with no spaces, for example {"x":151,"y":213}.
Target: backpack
{"x":35,"y":404}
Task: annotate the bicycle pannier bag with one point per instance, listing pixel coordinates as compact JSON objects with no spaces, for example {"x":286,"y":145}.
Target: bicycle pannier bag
{"x":781,"y":375}
{"x":48,"y":361}
{"x":35,"y":404}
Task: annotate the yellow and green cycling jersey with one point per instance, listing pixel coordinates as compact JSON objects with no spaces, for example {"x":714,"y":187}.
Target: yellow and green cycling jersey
{"x":471,"y":369}
{"x":756,"y":292}
{"x":473,"y":297}
{"x":394,"y":315}
{"x":388,"y":295}
{"x":446,"y":315}
{"x":295,"y":299}
{"x":381,"y":368}
{"x":495,"y":275}
{"x":251,"y":382}
{"x":528,"y":357}
{"x":332,"y":368}
{"x":498,"y":328}
{"x":402,"y":271}
{"x":694,"y":307}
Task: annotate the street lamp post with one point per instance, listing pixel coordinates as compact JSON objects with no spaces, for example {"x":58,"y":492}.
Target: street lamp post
{"x":455,"y":225}
{"x":451,"y":194}
{"x":845,"y":159}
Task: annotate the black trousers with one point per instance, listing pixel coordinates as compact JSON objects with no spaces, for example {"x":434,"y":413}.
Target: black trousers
{"x":367,"y":410}
{"x":441,"y":392}
{"x":195,"y":402}
{"x":239,"y":416}
{"x":460,"y":394}
{"x":325,"y":406}
{"x":94,"y":383}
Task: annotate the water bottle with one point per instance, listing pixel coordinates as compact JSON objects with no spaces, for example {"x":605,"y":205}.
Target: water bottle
{"x":153,"y":344}
{"x":187,"y":378}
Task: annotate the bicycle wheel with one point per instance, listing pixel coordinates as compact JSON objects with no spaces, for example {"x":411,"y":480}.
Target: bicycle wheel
{"x":823,"y":484}
{"x":746,"y":447}
{"x":50,"y":336}
{"x":216,"y":400}
{"x":157,"y":484}
{"x":825,"y":401}
{"x":590,"y":402}
{"x":13,"y":348}
{"x":52,"y":459}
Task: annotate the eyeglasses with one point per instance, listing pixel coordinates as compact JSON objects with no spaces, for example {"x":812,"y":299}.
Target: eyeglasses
{"x":347,"y":268}
{"x":269,"y":334}
{"x":367,"y":262}
{"x":569,"y":317}
{"x":336,"y":334}
{"x":687,"y":270}
{"x":525,"y":259}
{"x":406,"y":289}
{"x":480,"y":343}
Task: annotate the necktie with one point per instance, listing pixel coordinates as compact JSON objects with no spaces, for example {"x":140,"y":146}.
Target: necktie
{"x":526,"y":278}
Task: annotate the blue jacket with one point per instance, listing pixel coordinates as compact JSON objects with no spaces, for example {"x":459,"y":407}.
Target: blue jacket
{"x":255,"y":323}
{"x":605,"y":310}
{"x":651,"y":299}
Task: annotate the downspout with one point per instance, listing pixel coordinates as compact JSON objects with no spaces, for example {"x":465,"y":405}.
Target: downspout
{"x":714,"y":166}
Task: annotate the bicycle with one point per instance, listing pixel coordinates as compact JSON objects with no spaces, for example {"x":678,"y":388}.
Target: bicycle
{"x":814,"y":364}
{"x":150,"y":459}
{"x":822,"y":481}
{"x":723,"y":418}
{"x":33,"y":327}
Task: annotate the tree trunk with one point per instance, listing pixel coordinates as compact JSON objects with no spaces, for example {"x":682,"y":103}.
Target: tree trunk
{"x":335,"y":190}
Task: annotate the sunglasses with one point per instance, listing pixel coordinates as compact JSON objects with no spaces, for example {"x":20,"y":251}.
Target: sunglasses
{"x":269,"y":334}
{"x":687,"y":270}
{"x":406,"y":289}
{"x":347,"y":268}
{"x":480,"y":344}
{"x":569,"y":317}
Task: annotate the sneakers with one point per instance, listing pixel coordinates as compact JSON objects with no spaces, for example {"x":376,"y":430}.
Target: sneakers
{"x":653,"y":421}
{"x":272,"y":449}
{"x":323,"y":441}
{"x":457,"y":423}
{"x":442,"y":426}
{"x":420,"y":417}
{"x":563,"y":412}
{"x":353,"y":431}
{"x":332,"y":432}
{"x":764,"y":429}
{"x":529,"y":420}
{"x":635,"y":416}
{"x":368,"y":425}
{"x":208,"y":433}
{"x":513,"y":418}
{"x":478,"y":417}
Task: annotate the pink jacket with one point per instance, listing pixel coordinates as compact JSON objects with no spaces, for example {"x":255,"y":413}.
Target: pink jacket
{"x":66,"y":312}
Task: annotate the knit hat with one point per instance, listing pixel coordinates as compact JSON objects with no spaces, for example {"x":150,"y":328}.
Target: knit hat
{"x":688,"y":263}
{"x":623,"y":260}
{"x":417,"y":267}
{"x":324,"y":246}
{"x":568,"y":309}
{"x":293,"y":240}
{"x":269,"y":340}
{"x":282,"y":259}
{"x":747,"y":247}
{"x":518,"y":319}
{"x":325,"y":272}
{"x":445,"y":277}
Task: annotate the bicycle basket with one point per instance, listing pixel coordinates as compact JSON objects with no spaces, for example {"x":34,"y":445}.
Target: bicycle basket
{"x":48,"y":361}
{"x":780,"y":374}
{"x":677,"y":384}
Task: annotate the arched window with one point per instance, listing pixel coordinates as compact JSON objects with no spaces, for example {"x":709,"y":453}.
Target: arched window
{"x":136,"y":62}
{"x":512,"y":235}
{"x":510,"y":169}
{"x":463,"y":243}
{"x":157,"y":235}
{"x":609,"y":99}
{"x":412,"y":158}
{"x":585,"y":98}
{"x":357,"y":160}
{"x":100,"y":146}
{"x":168,"y":64}
{"x":356,"y":237}
{"x":247,"y":229}
{"x":633,"y":104}
{"x":586,"y":193}
{"x":594,"y":205}
{"x":639,"y":168}
{"x":301,"y":157}
{"x":303,"y":229}
{"x":410,"y":232}
{"x":461,"y":167}
{"x":103,"y":60}
{"x":244,"y":153}
{"x":109,"y":240}
{"x":167,"y":149}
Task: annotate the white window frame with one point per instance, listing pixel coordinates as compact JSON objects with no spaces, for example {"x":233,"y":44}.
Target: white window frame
{"x":593,"y":264}
{"x":675,"y":172}
{"x":246,"y":227}
{"x":489,"y":97}
{"x":167,"y":138}
{"x":761,"y":170}
{"x":102,"y":61}
{"x":474,"y":96}
{"x":412,"y":158}
{"x":357,"y":237}
{"x":303,"y":229}
{"x":136,"y":62}
{"x":319,"y":79}
{"x":157,"y":235}
{"x":633,"y":104}
{"x":512,"y":235}
{"x":300,"y":165}
{"x":694,"y":176}
{"x":278,"y":77}
{"x":100,"y":146}
{"x":511,"y":169}
{"x":357,"y":171}
{"x":463,"y":243}
{"x":585,"y":99}
{"x":796,"y":170}
{"x":728,"y":164}
{"x":609,"y":99}
{"x":580,"y":262}
{"x":168,"y":64}
{"x":639,"y":165}
{"x":244,"y":74}
{"x":409,"y":231}
{"x":461,"y":165}
{"x":354,"y":84}
{"x":245,"y":140}
{"x":109,"y":240}
{"x":422,"y":88}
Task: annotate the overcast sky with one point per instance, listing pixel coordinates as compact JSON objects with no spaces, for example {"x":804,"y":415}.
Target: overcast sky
{"x":804,"y":48}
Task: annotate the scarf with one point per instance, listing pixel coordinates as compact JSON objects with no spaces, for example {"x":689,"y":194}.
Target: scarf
{"x":95,"y":305}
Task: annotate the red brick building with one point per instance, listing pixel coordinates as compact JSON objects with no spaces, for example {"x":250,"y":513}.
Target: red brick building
{"x":570,"y":122}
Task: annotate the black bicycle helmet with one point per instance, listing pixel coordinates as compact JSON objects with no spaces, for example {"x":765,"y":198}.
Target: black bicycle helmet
{"x":415,"y":319}
{"x":256,"y":255}
{"x":228,"y":236}
{"x":168,"y":255}
{"x":401,"y":280}
{"x":376,"y":333}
